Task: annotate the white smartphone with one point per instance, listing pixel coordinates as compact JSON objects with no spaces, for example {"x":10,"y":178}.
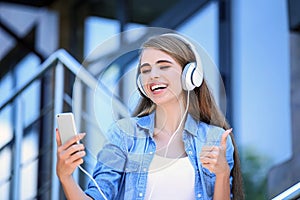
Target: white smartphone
{"x":66,"y":126}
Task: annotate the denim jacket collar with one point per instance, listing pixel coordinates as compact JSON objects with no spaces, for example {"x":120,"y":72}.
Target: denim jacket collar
{"x":147,"y":122}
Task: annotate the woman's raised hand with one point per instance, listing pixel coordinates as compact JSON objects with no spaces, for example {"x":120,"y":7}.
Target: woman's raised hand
{"x":69,"y":155}
{"x":214,"y":157}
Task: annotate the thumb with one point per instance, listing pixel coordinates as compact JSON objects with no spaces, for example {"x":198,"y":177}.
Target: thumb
{"x":224,"y":138}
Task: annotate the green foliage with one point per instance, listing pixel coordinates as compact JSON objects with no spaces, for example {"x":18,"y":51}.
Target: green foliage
{"x":254,"y":170}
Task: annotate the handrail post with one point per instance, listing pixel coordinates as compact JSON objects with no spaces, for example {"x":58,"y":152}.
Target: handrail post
{"x":16,"y":180}
{"x":58,"y":107}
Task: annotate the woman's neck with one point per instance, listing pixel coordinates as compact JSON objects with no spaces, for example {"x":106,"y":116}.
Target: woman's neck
{"x":169,"y":117}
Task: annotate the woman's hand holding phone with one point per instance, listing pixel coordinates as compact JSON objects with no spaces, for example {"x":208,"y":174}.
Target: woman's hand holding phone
{"x":69,"y":155}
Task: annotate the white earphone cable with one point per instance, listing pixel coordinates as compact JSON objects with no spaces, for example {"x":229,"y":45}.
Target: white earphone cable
{"x":182,"y":119}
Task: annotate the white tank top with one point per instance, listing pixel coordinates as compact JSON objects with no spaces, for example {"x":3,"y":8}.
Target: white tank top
{"x":170,"y":178}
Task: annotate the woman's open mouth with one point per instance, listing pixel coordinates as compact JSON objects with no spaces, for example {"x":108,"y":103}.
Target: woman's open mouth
{"x":157,"y":88}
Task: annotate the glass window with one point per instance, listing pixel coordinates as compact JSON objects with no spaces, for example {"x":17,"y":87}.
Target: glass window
{"x":203,"y":28}
{"x":25,"y":68}
{"x":6,"y":135}
{"x":30,"y":97}
{"x":5,"y":175}
{"x":262,"y":78}
{"x":29,"y":164}
{"x":6,"y":85}
{"x":97,"y":30}
{"x":6,"y":126}
{"x":31,"y":101}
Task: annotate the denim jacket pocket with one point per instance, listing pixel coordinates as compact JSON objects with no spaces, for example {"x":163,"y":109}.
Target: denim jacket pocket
{"x":132,"y":166}
{"x":133,"y":163}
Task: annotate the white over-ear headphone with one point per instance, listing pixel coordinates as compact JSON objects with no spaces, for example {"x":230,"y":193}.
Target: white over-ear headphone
{"x":192,"y":75}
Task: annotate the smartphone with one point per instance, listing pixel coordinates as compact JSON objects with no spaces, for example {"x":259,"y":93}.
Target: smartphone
{"x":66,"y":126}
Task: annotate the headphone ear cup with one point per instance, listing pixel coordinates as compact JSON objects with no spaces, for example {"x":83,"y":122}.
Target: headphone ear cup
{"x":140,"y":86}
{"x":192,"y":75}
{"x":187,"y":76}
{"x":197,"y":76}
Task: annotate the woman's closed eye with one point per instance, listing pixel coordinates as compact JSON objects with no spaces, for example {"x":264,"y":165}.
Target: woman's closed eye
{"x":145,"y":70}
{"x":164,"y":67}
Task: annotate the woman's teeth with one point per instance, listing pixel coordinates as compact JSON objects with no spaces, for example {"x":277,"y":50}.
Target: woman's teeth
{"x":157,"y":87}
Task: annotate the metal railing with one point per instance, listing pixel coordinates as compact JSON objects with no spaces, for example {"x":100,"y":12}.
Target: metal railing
{"x":291,"y":193}
{"x":59,"y":60}
{"x":64,"y":59}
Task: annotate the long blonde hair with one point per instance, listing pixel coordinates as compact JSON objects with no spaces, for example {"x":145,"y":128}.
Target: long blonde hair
{"x":202,"y":104}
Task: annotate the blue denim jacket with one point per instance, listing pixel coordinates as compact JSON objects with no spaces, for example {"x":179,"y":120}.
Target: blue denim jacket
{"x":122,"y":166}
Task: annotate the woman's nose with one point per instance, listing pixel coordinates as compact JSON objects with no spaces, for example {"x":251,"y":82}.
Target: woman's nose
{"x":154,"y":73}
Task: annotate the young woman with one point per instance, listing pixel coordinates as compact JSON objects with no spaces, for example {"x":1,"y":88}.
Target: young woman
{"x":175,"y":147}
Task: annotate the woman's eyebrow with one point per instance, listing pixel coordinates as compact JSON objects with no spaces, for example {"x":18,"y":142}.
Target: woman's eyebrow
{"x":157,"y":62}
{"x":163,"y":61}
{"x":144,"y":65}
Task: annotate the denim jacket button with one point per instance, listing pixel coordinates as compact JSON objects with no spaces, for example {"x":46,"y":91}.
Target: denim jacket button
{"x":140,"y":194}
{"x":199,"y":195}
{"x":190,"y":152}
